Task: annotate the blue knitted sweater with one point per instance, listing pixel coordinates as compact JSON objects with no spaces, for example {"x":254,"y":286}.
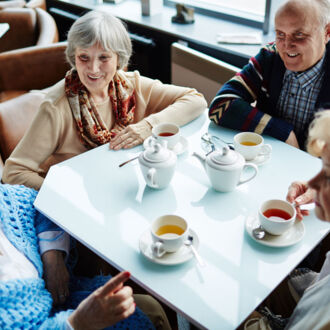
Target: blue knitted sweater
{"x":261,"y":80}
{"x":26,"y":304}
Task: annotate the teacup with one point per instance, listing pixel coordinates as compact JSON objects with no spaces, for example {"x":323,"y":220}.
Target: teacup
{"x":251,"y":145}
{"x":276,"y":216}
{"x":167,"y":132}
{"x":168,"y":232}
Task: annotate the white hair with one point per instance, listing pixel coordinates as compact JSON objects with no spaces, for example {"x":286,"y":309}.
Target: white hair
{"x":99,"y":27}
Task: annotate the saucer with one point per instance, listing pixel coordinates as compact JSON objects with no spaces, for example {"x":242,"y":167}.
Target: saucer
{"x":260,"y":160}
{"x":290,"y":237}
{"x":182,"y":255}
{"x":178,"y":149}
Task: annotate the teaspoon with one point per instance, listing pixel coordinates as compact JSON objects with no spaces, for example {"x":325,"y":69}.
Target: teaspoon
{"x":189,"y":242}
{"x":258,"y":232}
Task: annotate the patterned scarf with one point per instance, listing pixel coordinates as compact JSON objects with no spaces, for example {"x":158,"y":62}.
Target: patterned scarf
{"x":91,"y":128}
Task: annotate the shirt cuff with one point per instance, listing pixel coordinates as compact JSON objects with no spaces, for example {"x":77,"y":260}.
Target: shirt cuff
{"x":54,"y":240}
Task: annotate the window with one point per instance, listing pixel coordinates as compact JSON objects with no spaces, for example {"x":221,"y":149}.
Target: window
{"x":254,"y":13}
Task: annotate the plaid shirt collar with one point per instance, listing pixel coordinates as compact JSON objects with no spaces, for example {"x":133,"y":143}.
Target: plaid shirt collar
{"x":306,"y":78}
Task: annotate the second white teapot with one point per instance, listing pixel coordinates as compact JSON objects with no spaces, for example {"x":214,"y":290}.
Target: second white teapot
{"x":224,"y":168}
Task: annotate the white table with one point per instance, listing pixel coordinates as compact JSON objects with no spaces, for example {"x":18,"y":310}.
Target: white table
{"x":4,"y":27}
{"x":107,"y":208}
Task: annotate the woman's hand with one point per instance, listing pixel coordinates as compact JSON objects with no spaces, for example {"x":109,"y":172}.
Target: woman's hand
{"x":106,"y":306}
{"x":131,"y":136}
{"x":56,"y":276}
{"x":300,"y":194}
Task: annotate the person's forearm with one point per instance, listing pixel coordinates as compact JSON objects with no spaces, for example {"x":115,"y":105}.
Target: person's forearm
{"x":183,"y":111}
{"x":13,"y":173}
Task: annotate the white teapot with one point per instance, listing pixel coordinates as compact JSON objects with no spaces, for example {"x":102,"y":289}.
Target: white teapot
{"x":224,"y":168}
{"x":157,"y":164}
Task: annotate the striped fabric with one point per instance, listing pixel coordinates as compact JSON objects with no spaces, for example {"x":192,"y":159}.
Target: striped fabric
{"x":260,"y":82}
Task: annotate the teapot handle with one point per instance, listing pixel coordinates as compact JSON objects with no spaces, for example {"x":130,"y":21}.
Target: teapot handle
{"x":151,"y":177}
{"x":255,"y":167}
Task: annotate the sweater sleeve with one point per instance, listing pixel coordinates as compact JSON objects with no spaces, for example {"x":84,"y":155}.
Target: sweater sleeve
{"x":167,"y":103}
{"x":57,"y":322}
{"x":37,"y":145}
{"x":233,"y":105}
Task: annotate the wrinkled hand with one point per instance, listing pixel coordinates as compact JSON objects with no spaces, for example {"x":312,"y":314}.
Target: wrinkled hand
{"x":292,"y":140}
{"x":301,"y":194}
{"x":56,"y":276}
{"x":106,"y":306}
{"x":131,"y":136}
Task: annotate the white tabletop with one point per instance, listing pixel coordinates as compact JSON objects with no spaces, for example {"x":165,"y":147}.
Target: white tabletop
{"x":108,"y":208}
{"x":4,"y":27}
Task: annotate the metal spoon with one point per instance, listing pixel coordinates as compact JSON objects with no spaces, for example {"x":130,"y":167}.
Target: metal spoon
{"x":258,"y":232}
{"x":189,"y":242}
{"x":127,"y":161}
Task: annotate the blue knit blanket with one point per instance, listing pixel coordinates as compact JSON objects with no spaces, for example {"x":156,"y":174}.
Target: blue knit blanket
{"x":26,"y":304}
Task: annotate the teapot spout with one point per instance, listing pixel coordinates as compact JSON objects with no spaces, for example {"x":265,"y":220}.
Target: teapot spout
{"x":200,"y":157}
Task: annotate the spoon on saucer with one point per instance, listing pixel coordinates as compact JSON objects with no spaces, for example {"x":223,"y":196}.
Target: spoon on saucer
{"x":189,"y":242}
{"x":258,"y":232}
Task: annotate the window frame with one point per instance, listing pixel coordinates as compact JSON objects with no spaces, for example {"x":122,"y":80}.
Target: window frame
{"x":240,"y":17}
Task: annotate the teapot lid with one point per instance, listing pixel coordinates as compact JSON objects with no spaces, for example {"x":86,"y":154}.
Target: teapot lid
{"x":225,"y":156}
{"x":156,"y":153}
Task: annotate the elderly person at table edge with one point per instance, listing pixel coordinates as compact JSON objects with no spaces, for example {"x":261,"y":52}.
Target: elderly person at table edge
{"x":97,"y":102}
{"x":94,"y":303}
{"x":311,"y":302}
{"x":289,"y":79}
{"x":313,"y":309}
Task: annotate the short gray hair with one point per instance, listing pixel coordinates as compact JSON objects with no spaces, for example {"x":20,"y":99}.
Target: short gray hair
{"x":319,"y":134}
{"x":322,"y":6}
{"x":324,"y":16}
{"x":99,"y":27}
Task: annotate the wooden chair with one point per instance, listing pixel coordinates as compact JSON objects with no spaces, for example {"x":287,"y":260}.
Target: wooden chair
{"x":194,"y":69}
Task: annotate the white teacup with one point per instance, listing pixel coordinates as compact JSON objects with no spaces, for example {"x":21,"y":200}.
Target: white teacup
{"x":276,"y":216}
{"x":251,"y":145}
{"x":168,"y":232}
{"x":167,"y":132}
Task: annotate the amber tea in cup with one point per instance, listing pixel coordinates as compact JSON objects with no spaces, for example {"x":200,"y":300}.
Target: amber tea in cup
{"x":251,"y":145}
{"x":168,"y":233}
{"x":248,"y":143}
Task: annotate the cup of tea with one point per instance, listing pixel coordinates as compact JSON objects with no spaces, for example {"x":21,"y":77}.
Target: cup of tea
{"x":168,"y":132}
{"x":276,"y":216}
{"x":251,"y":145}
{"x":168,"y":232}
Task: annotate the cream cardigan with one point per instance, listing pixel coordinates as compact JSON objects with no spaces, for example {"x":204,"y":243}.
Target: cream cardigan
{"x":52,"y":136}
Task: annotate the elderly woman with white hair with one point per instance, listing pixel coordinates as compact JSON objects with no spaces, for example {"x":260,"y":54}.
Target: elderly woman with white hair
{"x":97,"y":102}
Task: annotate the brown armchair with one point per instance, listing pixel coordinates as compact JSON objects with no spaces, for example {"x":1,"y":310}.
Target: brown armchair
{"x":22,"y":3}
{"x":24,"y":76}
{"x":27,"y":27}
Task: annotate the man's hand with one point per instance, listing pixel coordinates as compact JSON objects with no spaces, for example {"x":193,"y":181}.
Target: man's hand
{"x":292,"y":140}
{"x":300,"y":194}
{"x":56,"y":276}
{"x":106,"y":306}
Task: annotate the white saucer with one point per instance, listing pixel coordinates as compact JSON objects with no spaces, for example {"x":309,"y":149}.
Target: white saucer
{"x":260,"y":160}
{"x":179,"y":148}
{"x":290,"y":237}
{"x":182,"y":255}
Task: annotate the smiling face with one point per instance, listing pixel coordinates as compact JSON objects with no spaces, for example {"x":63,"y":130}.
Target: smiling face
{"x":321,"y":183}
{"x":96,"y":68}
{"x":299,"y":38}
